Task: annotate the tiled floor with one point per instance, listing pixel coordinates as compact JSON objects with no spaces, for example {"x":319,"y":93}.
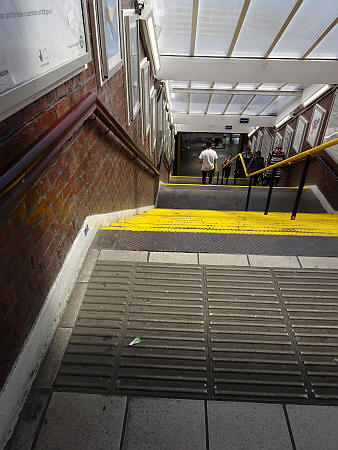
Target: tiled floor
{"x":60,"y":420}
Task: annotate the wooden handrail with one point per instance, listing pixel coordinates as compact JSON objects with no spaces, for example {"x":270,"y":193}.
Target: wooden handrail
{"x":23,"y":173}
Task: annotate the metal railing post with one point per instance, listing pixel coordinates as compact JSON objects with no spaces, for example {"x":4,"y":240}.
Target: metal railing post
{"x":217,"y":176}
{"x":248,"y":195}
{"x":222,"y":176}
{"x":301,"y":186}
{"x":270,"y":192}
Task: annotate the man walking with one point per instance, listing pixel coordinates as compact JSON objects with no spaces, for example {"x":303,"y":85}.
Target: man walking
{"x":208,"y":158}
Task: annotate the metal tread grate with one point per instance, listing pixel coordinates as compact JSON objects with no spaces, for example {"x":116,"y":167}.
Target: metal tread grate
{"x":207,"y":332}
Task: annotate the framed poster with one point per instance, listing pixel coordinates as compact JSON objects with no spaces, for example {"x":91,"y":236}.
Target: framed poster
{"x":159,"y":122}
{"x":299,"y":134}
{"x":259,"y":141}
{"x":287,"y":140}
{"x":266,"y":144}
{"x":153,"y":122}
{"x":145,"y":84}
{"x":43,"y":43}
{"x":106,"y":28}
{"x":278,"y":141}
{"x":331,"y":130}
{"x":133,"y":64}
{"x":316,"y":123}
{"x":253,"y":147}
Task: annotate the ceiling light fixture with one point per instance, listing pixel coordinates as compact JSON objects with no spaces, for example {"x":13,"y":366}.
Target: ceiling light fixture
{"x":282,"y":121}
{"x":316,"y":94}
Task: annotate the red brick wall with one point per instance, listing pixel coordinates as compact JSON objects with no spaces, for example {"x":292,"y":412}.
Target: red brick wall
{"x":89,"y":175}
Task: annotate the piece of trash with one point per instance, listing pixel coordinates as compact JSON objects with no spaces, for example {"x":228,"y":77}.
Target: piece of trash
{"x":137,"y":340}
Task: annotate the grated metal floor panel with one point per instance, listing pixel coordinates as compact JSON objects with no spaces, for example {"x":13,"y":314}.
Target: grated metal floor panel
{"x":211,"y":332}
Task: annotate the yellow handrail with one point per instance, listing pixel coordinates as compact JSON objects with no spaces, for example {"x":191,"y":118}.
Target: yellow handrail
{"x":290,"y":160}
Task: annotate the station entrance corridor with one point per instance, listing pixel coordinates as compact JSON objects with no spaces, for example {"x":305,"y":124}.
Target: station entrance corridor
{"x":200,"y":317}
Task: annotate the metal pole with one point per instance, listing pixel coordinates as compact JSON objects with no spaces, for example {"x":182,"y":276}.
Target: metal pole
{"x":248,"y":195}
{"x":301,"y":186}
{"x":217,"y":176}
{"x":222,"y":176}
{"x":270,"y":192}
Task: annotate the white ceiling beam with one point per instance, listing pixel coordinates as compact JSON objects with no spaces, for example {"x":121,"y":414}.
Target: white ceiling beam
{"x":321,"y":37}
{"x":242,"y":70}
{"x":194,"y":27}
{"x":179,"y":90}
{"x":238,"y":27}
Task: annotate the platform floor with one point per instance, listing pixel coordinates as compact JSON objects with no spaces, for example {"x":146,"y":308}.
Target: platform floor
{"x":271,"y":345}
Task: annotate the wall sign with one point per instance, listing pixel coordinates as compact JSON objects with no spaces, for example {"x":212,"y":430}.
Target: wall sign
{"x":244,"y":120}
{"x":316,"y":122}
{"x":42,"y":42}
{"x":287,"y":140}
{"x":299,"y":134}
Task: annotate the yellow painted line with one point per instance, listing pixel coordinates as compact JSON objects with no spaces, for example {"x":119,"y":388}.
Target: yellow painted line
{"x":230,"y":222}
{"x":182,"y":176}
{"x":228,"y":186}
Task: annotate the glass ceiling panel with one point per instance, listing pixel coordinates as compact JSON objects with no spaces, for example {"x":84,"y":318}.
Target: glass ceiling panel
{"x":328,"y":47}
{"x":174,"y":18}
{"x":247,"y":85}
{"x":261,"y":24}
{"x":293,"y":87}
{"x":201,"y":84}
{"x":278,"y":105}
{"x":180,"y":102}
{"x":270,"y":86}
{"x":312,"y":18}
{"x":216,"y":24}
{"x":238,"y":103}
{"x":223,"y":85}
{"x":198,"y":103}
{"x":218,"y":103}
{"x":182,"y":84}
{"x":258,"y":104}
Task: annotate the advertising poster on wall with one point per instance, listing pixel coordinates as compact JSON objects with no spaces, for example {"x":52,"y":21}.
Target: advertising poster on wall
{"x":331,"y":131}
{"x":266,"y":144}
{"x":299,"y":134}
{"x":315,"y":125}
{"x":287,"y":140}
{"x":38,"y":37}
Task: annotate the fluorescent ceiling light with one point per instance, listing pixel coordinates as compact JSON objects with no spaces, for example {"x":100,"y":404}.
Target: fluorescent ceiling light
{"x":252,"y":132}
{"x":285,"y":119}
{"x":316,"y":95}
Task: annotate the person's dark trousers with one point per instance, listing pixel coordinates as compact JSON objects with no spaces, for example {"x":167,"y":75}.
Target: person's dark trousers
{"x":205,"y":173}
{"x":255,"y":179}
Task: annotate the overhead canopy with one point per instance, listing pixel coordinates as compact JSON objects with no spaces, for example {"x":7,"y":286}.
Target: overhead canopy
{"x":244,"y":57}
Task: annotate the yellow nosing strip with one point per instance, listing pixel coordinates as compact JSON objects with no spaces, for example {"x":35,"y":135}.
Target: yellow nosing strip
{"x":228,"y":186}
{"x":230,"y":222}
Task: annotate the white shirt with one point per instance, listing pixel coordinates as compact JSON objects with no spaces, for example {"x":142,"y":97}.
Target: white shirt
{"x":208,"y":155}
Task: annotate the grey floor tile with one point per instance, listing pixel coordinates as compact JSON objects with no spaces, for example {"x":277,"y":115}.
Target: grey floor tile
{"x":69,"y":316}
{"x":173,"y":257}
{"x":273,"y":261}
{"x":24,"y":433}
{"x":313,"y":262}
{"x":223,"y":259}
{"x":82,"y":421}
{"x":123,"y":255}
{"x":88,"y":266}
{"x":314,"y":427}
{"x":52,"y":360}
{"x":247,"y":426}
{"x":163,"y":424}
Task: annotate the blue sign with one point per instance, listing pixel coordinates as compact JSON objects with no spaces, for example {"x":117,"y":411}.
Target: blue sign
{"x":243,"y":120}
{"x":228,"y":127}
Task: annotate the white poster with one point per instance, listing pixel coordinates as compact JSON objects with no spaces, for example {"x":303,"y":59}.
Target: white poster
{"x":36,"y":37}
{"x":299,"y":134}
{"x":331,"y":131}
{"x":315,"y":125}
{"x":266,"y":144}
{"x":259,"y":141}
{"x":287,"y":140}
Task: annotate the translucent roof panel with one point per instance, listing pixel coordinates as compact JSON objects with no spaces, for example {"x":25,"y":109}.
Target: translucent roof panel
{"x":199,"y":103}
{"x":293,"y":87}
{"x":180,"y":102}
{"x":223,"y":85}
{"x":174,"y":18}
{"x":218,"y":103}
{"x":328,"y":47}
{"x":270,"y":86}
{"x":201,"y":84}
{"x":312,"y":18}
{"x":256,"y":106}
{"x":216,"y":24}
{"x":247,"y":85}
{"x":238,"y":103}
{"x":278,"y":105}
{"x":260,"y":26}
{"x":181,"y":84}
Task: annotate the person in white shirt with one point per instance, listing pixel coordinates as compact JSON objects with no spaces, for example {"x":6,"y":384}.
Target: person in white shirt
{"x":208,"y":158}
